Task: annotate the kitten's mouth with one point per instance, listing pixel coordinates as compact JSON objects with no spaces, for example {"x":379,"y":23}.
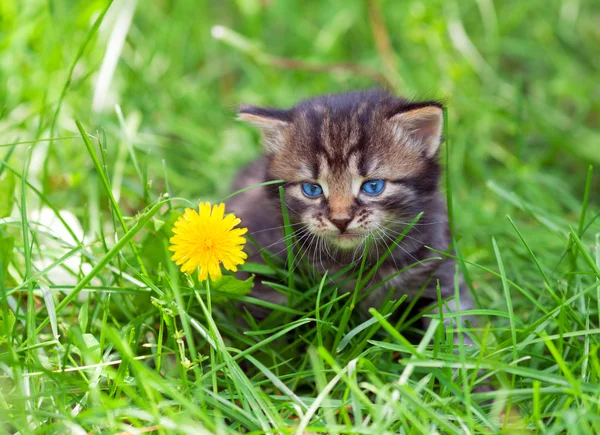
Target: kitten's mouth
{"x":346,"y":240}
{"x":348,"y":236}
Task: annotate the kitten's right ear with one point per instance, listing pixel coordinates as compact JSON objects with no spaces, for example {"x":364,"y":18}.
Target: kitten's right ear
{"x":271,"y":122}
{"x":422,"y":125}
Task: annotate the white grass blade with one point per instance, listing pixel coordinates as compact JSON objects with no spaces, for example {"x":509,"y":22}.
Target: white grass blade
{"x":50,"y":307}
{"x":113,"y":53}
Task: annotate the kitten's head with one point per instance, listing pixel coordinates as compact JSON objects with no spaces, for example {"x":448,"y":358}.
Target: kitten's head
{"x":354,"y":164}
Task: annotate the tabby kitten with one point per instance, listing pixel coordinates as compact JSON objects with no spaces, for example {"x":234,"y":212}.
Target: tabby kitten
{"x":357,"y":164}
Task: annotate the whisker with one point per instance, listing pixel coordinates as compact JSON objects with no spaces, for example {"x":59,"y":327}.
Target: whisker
{"x":382,"y":230}
{"x":317,"y":250}
{"x":376,"y":261}
{"x":303,"y":252}
{"x":399,"y":246}
{"x":288,"y":206}
{"x":325,"y":246}
{"x":397,"y":233}
{"x":314,"y":249}
{"x":356,"y":249}
{"x":303,"y":235}
{"x":321,"y":248}
{"x":284,"y":239}
{"x":300,"y":250}
{"x":276,"y":228}
{"x":415,"y":225}
{"x":329,"y":253}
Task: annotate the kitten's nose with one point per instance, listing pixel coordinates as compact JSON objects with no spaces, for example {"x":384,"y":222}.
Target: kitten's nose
{"x":342,"y":223}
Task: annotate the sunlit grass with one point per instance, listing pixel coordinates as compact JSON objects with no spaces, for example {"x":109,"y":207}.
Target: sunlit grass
{"x":99,"y":331}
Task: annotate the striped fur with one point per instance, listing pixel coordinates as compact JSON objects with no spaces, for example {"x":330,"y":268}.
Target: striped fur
{"x":339,"y":142}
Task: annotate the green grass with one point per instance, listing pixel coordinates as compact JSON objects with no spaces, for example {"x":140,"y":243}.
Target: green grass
{"x":100,"y":333}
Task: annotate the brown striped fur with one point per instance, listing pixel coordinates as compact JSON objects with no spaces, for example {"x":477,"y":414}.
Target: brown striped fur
{"x":340,"y":141}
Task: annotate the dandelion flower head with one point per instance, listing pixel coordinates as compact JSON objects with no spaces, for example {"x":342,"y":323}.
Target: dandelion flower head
{"x":206,"y":239}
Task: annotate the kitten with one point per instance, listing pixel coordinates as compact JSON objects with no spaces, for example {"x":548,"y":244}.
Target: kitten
{"x":357,"y":164}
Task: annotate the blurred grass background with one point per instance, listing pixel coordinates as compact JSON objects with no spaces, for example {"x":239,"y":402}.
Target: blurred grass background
{"x":520,"y":80}
{"x":160,"y":82}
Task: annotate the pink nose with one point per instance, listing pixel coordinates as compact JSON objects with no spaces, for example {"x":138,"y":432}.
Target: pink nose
{"x":341,"y":224}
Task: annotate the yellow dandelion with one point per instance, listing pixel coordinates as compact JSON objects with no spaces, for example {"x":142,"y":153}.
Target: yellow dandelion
{"x":207,"y":239}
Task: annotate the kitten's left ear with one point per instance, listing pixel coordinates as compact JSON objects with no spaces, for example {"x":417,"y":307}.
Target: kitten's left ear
{"x":271,"y":122}
{"x":423,"y":126}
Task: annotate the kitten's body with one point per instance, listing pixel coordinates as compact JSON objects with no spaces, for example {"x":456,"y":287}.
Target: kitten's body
{"x":337,"y":142}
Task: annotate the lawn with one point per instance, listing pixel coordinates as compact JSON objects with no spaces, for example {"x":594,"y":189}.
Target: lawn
{"x":116,"y":117}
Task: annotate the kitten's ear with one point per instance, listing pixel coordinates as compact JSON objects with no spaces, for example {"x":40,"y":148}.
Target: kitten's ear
{"x":271,"y":122}
{"x":423,"y":126}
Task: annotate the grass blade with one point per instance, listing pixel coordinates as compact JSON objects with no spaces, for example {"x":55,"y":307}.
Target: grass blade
{"x":114,"y":251}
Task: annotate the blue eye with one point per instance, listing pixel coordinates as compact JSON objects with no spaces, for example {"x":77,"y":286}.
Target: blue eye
{"x":373,"y":187}
{"x":312,"y":190}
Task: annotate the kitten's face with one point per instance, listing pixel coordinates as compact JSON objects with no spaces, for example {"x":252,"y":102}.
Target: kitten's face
{"x":355,"y":165}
